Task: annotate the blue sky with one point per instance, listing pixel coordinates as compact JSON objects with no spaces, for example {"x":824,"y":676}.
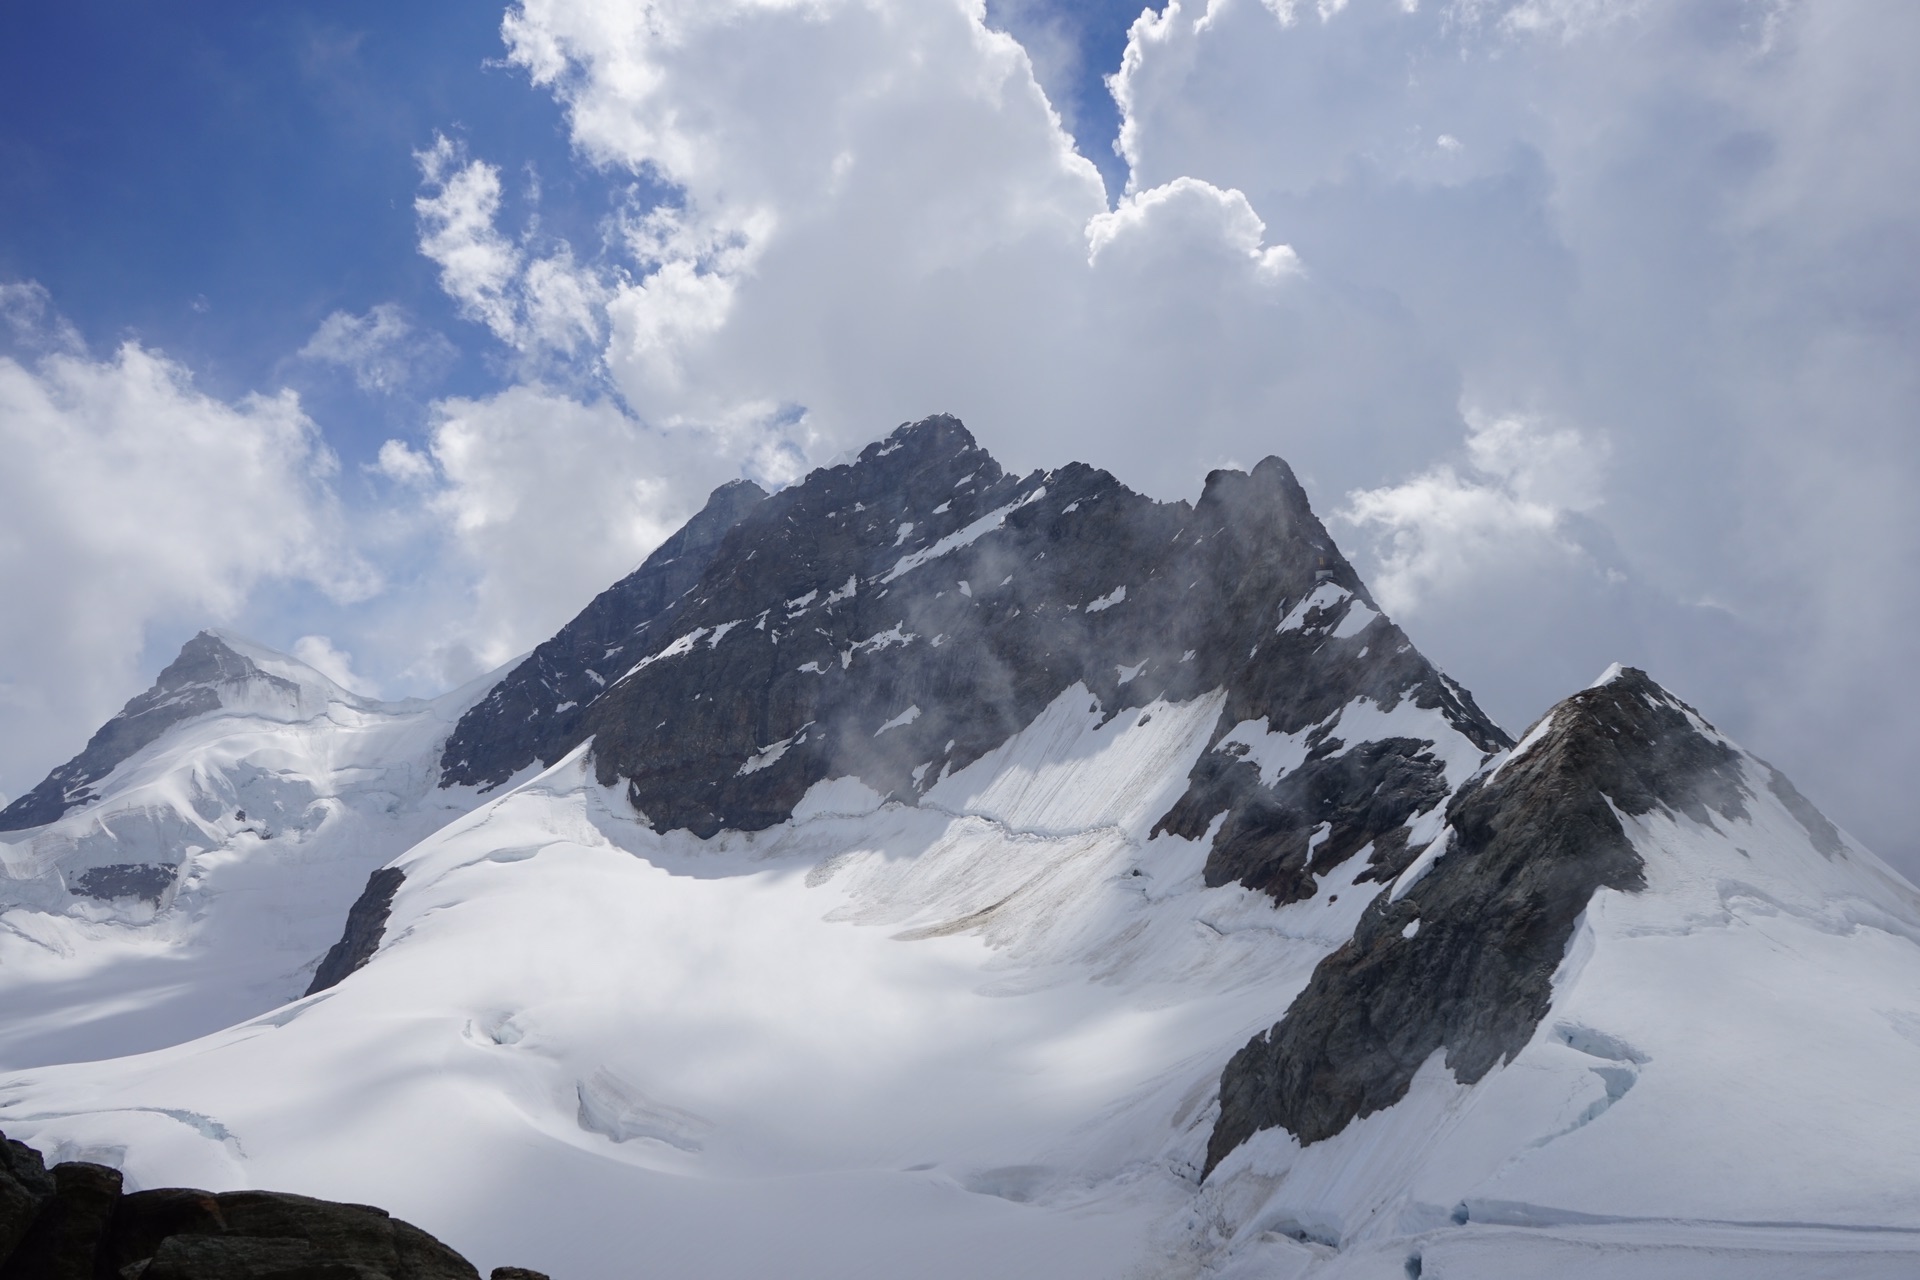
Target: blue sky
{"x":218,"y":179}
{"x":390,"y":334}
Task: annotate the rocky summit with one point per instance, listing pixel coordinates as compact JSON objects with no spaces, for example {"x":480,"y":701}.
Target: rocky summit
{"x":926,"y":870}
{"x":896,"y":618}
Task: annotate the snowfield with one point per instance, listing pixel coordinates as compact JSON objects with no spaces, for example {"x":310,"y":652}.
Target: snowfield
{"x":977,"y":1037}
{"x":277,"y":807}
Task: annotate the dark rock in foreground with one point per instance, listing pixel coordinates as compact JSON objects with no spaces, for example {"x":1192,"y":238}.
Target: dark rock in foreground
{"x":74,"y":1223}
{"x":1464,"y":960}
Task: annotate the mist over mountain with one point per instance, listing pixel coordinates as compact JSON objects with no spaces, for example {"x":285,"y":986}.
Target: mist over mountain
{"x":927,"y":869}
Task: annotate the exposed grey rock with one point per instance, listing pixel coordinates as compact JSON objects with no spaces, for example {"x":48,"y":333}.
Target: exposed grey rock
{"x":84,"y":1229}
{"x":144,"y":1220}
{"x":70,"y":1229}
{"x":1366,"y":795}
{"x":922,"y":591}
{"x":366,"y":925}
{"x":25,"y":1185}
{"x":18,"y":1208}
{"x":145,"y":880}
{"x":215,"y":1257}
{"x":188,"y":687}
{"x":1529,"y":846}
{"x":23,"y":1164}
{"x":535,"y":713}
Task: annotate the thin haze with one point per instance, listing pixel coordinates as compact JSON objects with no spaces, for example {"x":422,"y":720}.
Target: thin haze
{"x":1587,"y":323}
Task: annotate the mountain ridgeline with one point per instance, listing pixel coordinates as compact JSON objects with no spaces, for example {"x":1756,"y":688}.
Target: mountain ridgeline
{"x":1383,"y":977}
{"x":896,"y":618}
{"x":1461,"y":958}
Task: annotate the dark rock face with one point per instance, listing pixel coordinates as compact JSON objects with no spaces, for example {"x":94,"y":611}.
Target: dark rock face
{"x":536,"y":712}
{"x":25,"y":1185}
{"x":145,"y":880}
{"x":189,"y":687}
{"x":78,"y":1226}
{"x":68,"y":1231}
{"x":1529,"y":845}
{"x":1367,"y":795}
{"x":898,"y":617}
{"x":366,"y":925}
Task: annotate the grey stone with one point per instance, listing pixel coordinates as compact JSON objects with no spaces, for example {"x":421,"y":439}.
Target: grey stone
{"x":18,"y":1208}
{"x":366,"y":926}
{"x":145,"y":880}
{"x":1820,"y":830}
{"x":1528,"y":850}
{"x":25,"y":1185}
{"x":84,"y":1228}
{"x":67,"y":1235}
{"x":526,"y":718}
{"x":1206,"y":586}
{"x":217,"y":1257}
{"x":143,"y":1220}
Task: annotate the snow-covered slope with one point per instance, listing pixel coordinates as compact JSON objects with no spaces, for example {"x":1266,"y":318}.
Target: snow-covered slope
{"x":1724,"y":1060}
{"x":974,"y":1037}
{"x":204,"y":871}
{"x":1240,"y":950}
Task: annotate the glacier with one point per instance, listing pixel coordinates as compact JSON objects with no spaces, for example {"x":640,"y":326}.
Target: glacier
{"x":966,"y":1012}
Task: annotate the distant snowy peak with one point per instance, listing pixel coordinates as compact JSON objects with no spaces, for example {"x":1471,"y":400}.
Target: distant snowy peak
{"x":198,"y":858}
{"x":1459,"y":954}
{"x":898,"y":617}
{"x":213,"y":672}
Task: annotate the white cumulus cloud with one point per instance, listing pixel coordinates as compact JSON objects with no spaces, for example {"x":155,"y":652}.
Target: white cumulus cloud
{"x":1508,"y":511}
{"x":540,"y":303}
{"x":382,"y":349}
{"x":134,"y":501}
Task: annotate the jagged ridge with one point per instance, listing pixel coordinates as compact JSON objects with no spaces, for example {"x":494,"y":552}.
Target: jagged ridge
{"x":535,"y":713}
{"x":897,"y":617}
{"x":1528,"y":845}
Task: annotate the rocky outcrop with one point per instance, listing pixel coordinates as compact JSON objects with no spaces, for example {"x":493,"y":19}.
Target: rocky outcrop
{"x":1366,"y":796}
{"x":75,"y":1223}
{"x":535,"y":714}
{"x":24,"y":1187}
{"x":188,"y":687}
{"x":366,"y":926}
{"x":1462,"y":960}
{"x":897,"y":617}
{"x":148,"y":881}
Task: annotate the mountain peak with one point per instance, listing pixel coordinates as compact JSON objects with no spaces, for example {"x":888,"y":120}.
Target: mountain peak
{"x":1044,"y":758}
{"x":1460,"y":953}
{"x":938,"y":435}
{"x":199,"y":680}
{"x":534,"y":713}
{"x":208,"y":658}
